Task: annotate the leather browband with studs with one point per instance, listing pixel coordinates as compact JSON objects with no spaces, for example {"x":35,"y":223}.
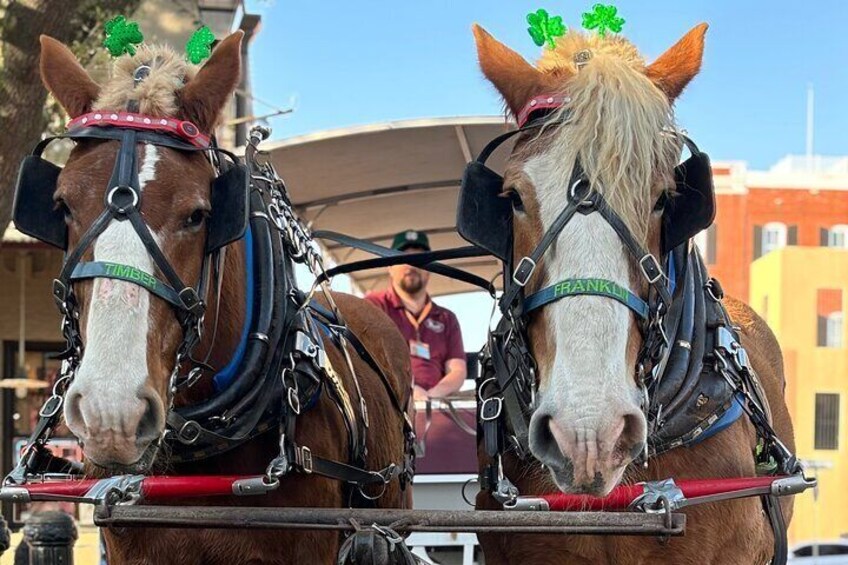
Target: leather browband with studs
{"x":182,"y":129}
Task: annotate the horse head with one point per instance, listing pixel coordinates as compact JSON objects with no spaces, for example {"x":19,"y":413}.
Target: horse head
{"x":130,"y":335}
{"x":588,"y":423}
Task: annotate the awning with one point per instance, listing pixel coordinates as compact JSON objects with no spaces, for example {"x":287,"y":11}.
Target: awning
{"x":374,"y":181}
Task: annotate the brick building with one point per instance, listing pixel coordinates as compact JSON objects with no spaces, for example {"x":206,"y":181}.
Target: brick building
{"x":759,"y":212}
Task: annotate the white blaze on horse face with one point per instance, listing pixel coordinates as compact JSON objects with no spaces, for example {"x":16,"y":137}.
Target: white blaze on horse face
{"x":106,"y":392}
{"x":588,"y":388}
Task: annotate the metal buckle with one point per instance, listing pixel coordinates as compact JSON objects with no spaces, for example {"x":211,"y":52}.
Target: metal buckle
{"x":649,"y":258}
{"x":184,"y":436}
{"x":519,"y":271}
{"x":294,"y":400}
{"x":48,"y":411}
{"x":305,"y":459}
{"x":191,"y":302}
{"x":484,"y":410}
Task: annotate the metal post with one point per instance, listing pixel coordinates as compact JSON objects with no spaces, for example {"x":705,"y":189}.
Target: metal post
{"x":51,"y":537}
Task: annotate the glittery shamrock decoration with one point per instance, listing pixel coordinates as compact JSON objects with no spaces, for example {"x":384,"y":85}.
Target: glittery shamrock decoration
{"x":603,"y":18}
{"x":121,"y":35}
{"x":199,"y":46}
{"x":543,"y":28}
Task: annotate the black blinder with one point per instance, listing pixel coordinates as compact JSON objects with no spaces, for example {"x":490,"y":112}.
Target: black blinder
{"x":484,"y":216}
{"x":228,"y":220}
{"x":34,"y":211}
{"x":693,"y":207}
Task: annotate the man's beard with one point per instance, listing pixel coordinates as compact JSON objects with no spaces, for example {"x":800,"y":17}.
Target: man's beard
{"x":412,"y":284}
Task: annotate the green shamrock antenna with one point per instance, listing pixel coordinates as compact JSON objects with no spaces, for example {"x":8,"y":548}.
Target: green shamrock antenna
{"x":603,"y":18}
{"x":121,"y":35}
{"x":199,"y":46}
{"x":543,"y":28}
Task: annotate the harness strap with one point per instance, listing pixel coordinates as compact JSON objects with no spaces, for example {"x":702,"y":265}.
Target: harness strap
{"x":587,"y":286}
{"x":308,"y":463}
{"x":128,"y":273}
{"x":387,"y":257}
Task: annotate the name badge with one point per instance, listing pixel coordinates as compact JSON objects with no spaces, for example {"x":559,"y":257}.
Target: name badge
{"x":419,"y":349}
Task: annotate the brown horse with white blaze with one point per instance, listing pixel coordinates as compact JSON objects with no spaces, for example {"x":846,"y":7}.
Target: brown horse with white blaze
{"x":588,"y":426}
{"x":118,"y":402}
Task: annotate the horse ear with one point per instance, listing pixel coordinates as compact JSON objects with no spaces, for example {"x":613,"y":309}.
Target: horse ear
{"x":203,"y":98}
{"x":65,"y":78}
{"x":517,"y":80}
{"x":673,"y":70}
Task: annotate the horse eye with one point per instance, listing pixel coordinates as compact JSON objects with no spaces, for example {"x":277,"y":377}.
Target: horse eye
{"x":196,"y":219}
{"x":661,"y":202}
{"x":61,"y":205}
{"x":515,"y":198}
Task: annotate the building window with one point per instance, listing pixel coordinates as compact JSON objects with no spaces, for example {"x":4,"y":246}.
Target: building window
{"x":830,"y":317}
{"x":837,"y":236}
{"x":827,"y":421}
{"x":773,"y":235}
{"x":833,"y":330}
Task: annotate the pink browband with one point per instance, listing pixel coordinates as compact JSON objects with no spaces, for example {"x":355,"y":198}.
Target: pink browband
{"x":182,"y":129}
{"x":541,"y":102}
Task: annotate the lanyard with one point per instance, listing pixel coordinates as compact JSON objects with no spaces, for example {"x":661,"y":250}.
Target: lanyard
{"x":416,"y":322}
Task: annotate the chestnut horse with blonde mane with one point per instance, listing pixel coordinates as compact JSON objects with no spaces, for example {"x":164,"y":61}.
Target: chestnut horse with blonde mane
{"x":587,"y":425}
{"x":119,"y":400}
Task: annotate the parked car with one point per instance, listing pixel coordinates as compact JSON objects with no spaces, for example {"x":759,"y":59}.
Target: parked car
{"x":833,"y":552}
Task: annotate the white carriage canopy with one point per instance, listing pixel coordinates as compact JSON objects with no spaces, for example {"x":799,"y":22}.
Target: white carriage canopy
{"x":376,"y":180}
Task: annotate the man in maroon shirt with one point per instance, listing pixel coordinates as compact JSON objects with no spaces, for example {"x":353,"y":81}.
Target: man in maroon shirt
{"x":432,"y":332}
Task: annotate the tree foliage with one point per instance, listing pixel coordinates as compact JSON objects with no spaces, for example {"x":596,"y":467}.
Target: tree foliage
{"x":25,"y":113}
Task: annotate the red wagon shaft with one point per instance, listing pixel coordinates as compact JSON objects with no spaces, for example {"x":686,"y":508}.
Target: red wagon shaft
{"x":124,"y":488}
{"x":642,"y":496}
{"x":647,"y":496}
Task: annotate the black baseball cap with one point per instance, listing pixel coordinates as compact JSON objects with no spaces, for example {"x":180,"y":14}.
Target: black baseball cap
{"x":411,"y":238}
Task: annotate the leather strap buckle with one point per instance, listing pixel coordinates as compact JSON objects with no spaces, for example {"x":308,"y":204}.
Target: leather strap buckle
{"x":191,"y":302}
{"x":650,"y":268}
{"x":491,"y":409}
{"x":524,"y":271}
{"x":304,"y":458}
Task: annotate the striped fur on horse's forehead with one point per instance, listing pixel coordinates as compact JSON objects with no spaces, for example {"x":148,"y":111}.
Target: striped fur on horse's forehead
{"x":157,"y":93}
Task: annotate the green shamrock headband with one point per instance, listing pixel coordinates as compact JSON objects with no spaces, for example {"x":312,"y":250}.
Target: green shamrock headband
{"x":199,"y":46}
{"x":122,"y":36}
{"x":544,"y":29}
{"x":603,"y":18}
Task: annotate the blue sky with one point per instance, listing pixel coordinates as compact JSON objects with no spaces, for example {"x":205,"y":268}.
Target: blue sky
{"x":368,"y":61}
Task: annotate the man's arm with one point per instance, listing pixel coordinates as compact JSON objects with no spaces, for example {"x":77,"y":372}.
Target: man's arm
{"x":452,"y":381}
{"x":455,"y":369}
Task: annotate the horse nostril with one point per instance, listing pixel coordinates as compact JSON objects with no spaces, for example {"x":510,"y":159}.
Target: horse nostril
{"x":73,"y":412}
{"x":632,"y":439}
{"x":152,"y":421}
{"x":543,"y":444}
